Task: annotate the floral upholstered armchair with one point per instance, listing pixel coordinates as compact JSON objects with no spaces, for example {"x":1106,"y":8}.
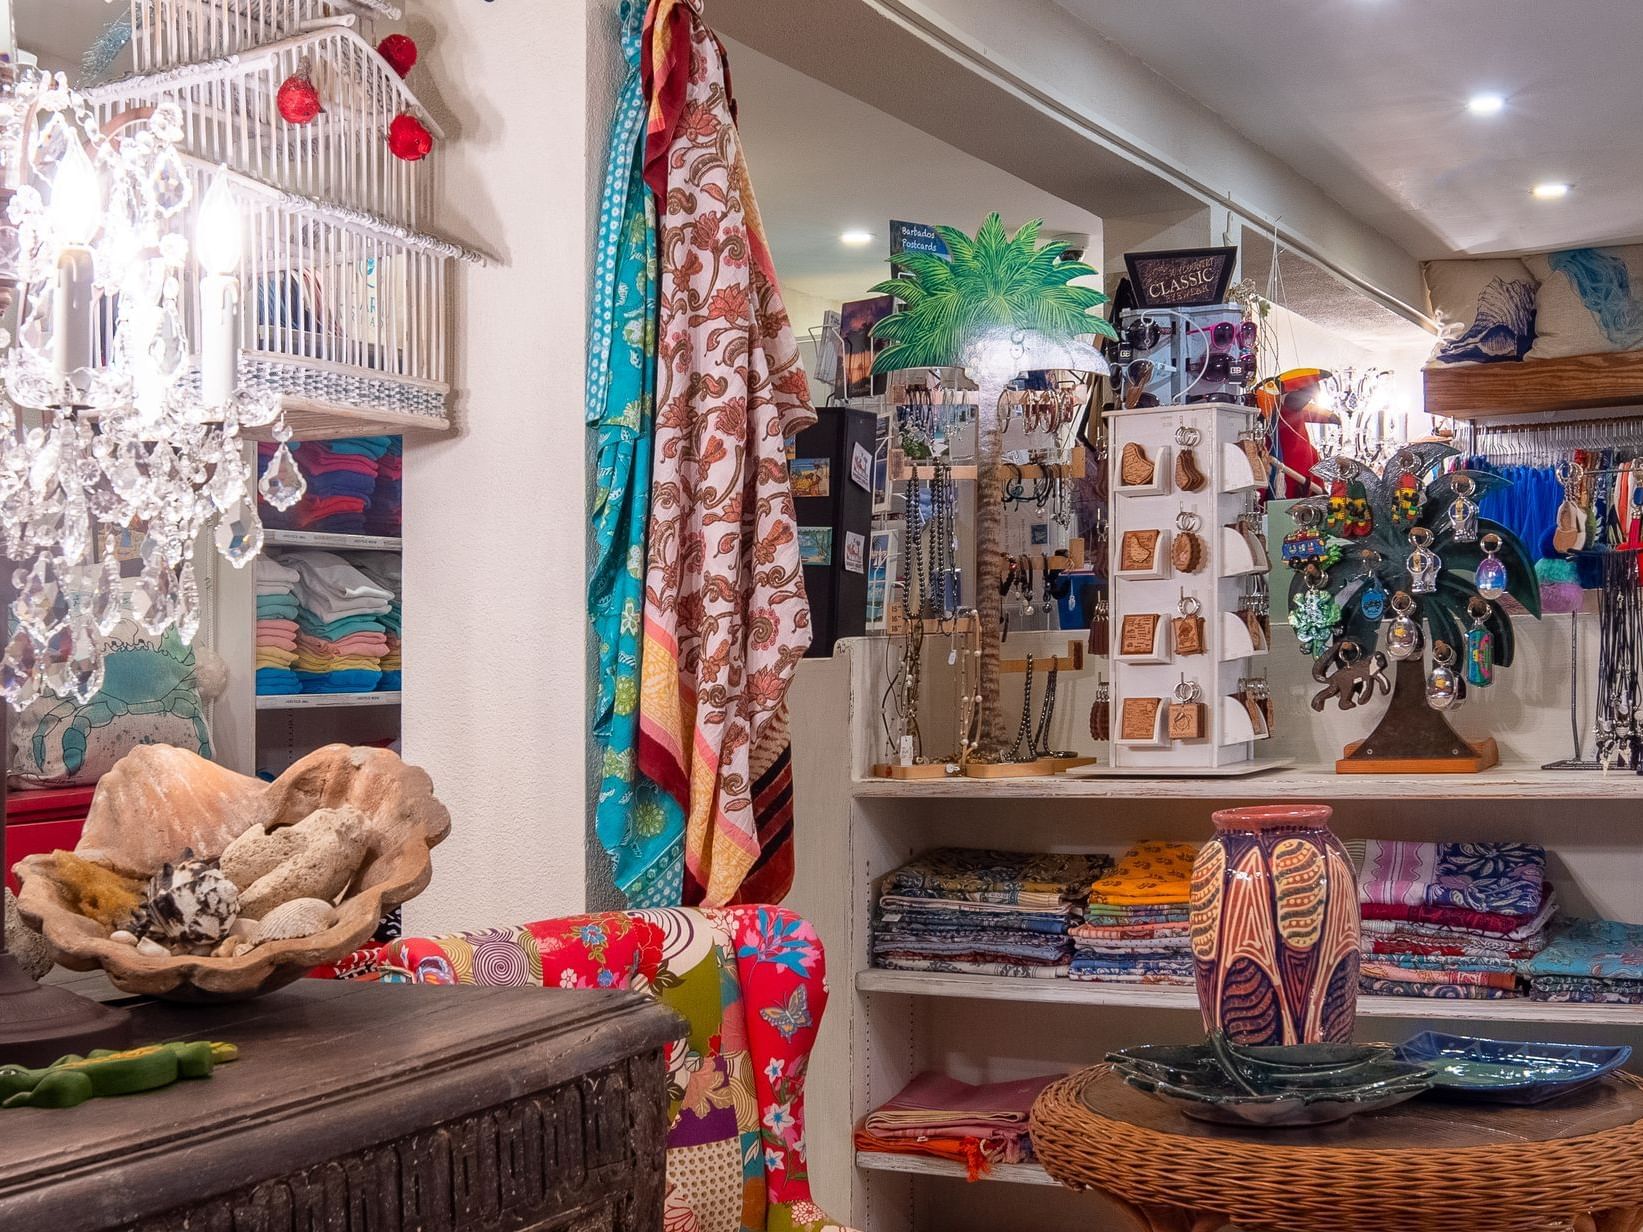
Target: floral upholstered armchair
{"x":751,"y":984}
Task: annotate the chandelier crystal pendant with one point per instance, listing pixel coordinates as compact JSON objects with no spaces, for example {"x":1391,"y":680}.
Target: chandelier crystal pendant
{"x":117,"y":434}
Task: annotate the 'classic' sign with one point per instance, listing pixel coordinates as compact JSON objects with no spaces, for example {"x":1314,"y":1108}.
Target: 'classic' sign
{"x":1181,"y":278}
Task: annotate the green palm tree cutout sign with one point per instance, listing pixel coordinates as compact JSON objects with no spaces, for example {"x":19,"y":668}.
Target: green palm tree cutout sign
{"x":997,"y":305}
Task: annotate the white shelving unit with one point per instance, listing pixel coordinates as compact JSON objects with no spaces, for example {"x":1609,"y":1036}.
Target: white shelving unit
{"x":327,"y":701}
{"x":915,"y":1165}
{"x":884,"y":1027}
{"x":333,"y":543}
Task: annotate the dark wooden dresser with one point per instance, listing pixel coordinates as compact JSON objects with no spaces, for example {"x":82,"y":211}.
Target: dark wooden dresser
{"x":368,"y":1108}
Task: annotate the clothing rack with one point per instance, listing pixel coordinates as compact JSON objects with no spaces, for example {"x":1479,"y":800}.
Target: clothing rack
{"x":1533,"y":444}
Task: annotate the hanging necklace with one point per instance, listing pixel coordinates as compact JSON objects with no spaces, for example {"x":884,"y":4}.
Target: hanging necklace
{"x":1023,"y":735}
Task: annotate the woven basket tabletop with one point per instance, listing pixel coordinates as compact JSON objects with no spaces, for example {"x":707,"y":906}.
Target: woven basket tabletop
{"x":1422,"y":1166}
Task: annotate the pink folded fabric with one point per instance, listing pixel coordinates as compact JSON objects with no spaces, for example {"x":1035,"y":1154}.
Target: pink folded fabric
{"x":366,"y":644}
{"x":935,"y":1104}
{"x":277,"y":627}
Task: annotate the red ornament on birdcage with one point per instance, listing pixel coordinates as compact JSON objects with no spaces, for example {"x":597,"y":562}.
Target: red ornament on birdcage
{"x":400,"y":52}
{"x":409,"y":139}
{"x":297,"y":99}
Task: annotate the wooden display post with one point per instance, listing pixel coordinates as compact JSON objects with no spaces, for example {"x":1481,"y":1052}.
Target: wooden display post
{"x":1413,"y":738}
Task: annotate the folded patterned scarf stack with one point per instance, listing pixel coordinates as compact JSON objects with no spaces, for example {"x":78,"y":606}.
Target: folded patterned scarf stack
{"x":1591,"y":961}
{"x":1135,"y":927}
{"x":983,"y":912}
{"x":977,"y":1126}
{"x":1451,"y":919}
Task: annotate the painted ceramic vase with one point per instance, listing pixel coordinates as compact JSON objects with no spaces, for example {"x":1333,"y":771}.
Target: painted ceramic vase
{"x":1275,"y":927}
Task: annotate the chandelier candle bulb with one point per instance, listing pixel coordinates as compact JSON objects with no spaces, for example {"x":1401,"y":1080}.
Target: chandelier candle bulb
{"x":217,"y":243}
{"x":76,"y":210}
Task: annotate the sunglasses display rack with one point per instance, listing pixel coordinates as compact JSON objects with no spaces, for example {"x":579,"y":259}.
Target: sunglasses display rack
{"x":1173,"y":356}
{"x":1187,"y":555}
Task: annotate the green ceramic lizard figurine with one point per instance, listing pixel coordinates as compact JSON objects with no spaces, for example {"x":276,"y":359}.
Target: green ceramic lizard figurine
{"x":70,"y":1081}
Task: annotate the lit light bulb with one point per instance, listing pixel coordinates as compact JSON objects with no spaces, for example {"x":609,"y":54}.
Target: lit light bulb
{"x":856,"y":238}
{"x":76,"y":198}
{"x":217,"y":232}
{"x":1550,"y":192}
{"x":1485,"y":104}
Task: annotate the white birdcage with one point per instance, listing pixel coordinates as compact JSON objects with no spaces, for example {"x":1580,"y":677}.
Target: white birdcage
{"x":170,"y":33}
{"x":343,"y":300}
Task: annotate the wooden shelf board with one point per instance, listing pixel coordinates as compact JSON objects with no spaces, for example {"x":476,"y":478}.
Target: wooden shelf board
{"x":1532,"y":387}
{"x":326,"y":701}
{"x":926,"y":1165}
{"x":1505,"y":782}
{"x":1141,"y":996}
{"x":325,"y":421}
{"x":339,"y":543}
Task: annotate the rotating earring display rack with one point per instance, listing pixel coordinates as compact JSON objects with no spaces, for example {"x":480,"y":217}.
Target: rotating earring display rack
{"x":1187,"y":559}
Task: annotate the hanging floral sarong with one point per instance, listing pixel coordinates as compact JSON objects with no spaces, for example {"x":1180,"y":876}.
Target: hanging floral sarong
{"x":726,"y":619}
{"x":640,"y":826}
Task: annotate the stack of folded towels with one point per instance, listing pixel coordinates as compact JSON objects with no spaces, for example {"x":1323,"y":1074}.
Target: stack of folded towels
{"x":977,"y":1126}
{"x":1596,"y":962}
{"x":1451,"y":919}
{"x":342,"y":636}
{"x":386,"y":515}
{"x":386,"y":570}
{"x":1135,"y":926}
{"x":983,"y":912}
{"x":343,"y":477}
{"x":276,"y":628}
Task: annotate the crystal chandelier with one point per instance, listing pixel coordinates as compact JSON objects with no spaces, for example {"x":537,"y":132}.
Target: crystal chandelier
{"x":114,"y":428}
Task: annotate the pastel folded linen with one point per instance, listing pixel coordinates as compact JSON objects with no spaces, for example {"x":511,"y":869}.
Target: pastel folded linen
{"x":373,"y":645}
{"x":360,"y":681}
{"x":933,"y":1103}
{"x":277,"y":681}
{"x":274,"y":572}
{"x":273,"y":656}
{"x":276,"y":607}
{"x":335,"y":630}
{"x":1153,"y":873}
{"x":1505,"y":878}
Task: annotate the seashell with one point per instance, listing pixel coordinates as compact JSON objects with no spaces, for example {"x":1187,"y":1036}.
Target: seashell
{"x":150,"y":948}
{"x":190,"y":902}
{"x":123,"y":936}
{"x":301,"y":917}
{"x":231,"y":948}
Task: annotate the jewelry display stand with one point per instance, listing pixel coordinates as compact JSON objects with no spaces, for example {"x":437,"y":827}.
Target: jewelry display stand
{"x":1201,"y":720}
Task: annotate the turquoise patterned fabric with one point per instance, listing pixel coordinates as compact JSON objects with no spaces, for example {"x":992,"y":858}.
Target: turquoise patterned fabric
{"x":642,"y":828}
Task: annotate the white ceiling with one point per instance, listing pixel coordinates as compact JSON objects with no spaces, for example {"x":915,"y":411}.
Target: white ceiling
{"x":824,"y":163}
{"x":1367,"y":98}
{"x":59,"y":31}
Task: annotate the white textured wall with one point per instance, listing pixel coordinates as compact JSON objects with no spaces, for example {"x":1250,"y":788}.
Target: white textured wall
{"x":494,"y":514}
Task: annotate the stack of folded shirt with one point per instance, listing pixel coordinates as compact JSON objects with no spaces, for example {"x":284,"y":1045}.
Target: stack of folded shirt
{"x":983,"y":912}
{"x":342,"y":483}
{"x":1590,"y":961}
{"x":342,"y":638}
{"x":1135,"y":926}
{"x":276,"y":628}
{"x":386,"y":570}
{"x":1451,"y":919}
{"x":386,"y":514}
{"x":977,"y":1126}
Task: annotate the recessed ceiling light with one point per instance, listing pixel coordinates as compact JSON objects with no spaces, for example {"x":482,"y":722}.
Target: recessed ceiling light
{"x":856,"y":239}
{"x":1551,"y":191}
{"x":1485,"y":104}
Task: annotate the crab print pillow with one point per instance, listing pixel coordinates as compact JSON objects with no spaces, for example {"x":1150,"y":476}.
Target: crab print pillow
{"x":151,"y":696}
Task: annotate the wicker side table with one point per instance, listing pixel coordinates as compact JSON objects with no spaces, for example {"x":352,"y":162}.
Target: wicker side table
{"x":1424,"y":1166}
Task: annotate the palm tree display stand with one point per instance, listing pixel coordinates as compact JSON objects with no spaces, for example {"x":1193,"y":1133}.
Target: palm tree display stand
{"x":997,"y":305}
{"x":1408,"y":572}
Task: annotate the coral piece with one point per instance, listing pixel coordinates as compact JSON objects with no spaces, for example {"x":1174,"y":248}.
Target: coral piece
{"x":24,"y":944}
{"x":190,"y":902}
{"x":96,"y":892}
{"x":195,"y":804}
{"x":315,"y":858}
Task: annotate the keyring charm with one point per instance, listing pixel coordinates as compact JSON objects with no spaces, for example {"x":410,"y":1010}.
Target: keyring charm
{"x":1424,"y":564}
{"x":1444,"y":688}
{"x":1403,"y":637}
{"x":1491,"y":578}
{"x":1480,"y":645}
{"x":1463,"y":510}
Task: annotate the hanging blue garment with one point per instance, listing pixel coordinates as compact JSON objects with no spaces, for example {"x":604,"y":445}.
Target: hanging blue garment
{"x":641,"y":827}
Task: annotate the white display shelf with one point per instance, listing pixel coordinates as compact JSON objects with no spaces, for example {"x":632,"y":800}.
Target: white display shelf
{"x":326,"y":701}
{"x":1501,"y":783}
{"x":336,"y":543}
{"x":923,"y":1165}
{"x":1141,"y":996}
